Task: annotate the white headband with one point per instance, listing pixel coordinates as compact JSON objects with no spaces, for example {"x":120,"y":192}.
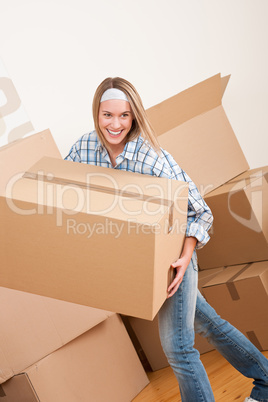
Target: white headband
{"x":113,"y":93}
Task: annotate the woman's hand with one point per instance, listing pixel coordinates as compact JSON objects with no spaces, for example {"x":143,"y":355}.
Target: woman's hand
{"x":181,"y":264}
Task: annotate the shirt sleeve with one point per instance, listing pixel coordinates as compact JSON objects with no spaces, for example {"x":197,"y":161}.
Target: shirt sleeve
{"x":199,"y":216}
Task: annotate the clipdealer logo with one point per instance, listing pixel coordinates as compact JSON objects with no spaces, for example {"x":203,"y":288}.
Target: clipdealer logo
{"x":56,"y":198}
{"x":254,"y":185}
{"x":116,"y":229}
{"x":14,"y":122}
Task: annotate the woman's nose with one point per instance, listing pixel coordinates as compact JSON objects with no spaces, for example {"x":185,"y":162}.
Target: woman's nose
{"x":115,"y":123}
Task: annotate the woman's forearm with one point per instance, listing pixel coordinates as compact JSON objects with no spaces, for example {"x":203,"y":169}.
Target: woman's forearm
{"x":188,"y":247}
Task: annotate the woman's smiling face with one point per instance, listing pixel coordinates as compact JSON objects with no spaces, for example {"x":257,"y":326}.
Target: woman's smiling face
{"x":115,"y":122}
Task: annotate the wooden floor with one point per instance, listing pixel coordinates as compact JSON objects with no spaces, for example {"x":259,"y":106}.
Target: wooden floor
{"x":228,"y":384}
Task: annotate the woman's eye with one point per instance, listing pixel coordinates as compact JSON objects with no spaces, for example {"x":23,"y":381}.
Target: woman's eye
{"x":107,"y":115}
{"x":125,"y":115}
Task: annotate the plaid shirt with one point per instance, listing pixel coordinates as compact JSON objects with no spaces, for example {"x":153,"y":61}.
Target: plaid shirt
{"x":139,"y":157}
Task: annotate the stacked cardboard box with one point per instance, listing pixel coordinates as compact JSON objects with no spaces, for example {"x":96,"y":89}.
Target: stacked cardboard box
{"x":194,"y":128}
{"x":240,"y":236}
{"x":240,"y":294}
{"x":240,"y":230}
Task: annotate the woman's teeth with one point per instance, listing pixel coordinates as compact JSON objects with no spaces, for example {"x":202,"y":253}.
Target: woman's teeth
{"x":115,"y":133}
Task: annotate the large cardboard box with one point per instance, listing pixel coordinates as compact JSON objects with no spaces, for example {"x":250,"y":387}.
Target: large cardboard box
{"x":94,"y":236}
{"x":100,"y":365}
{"x":240,"y":229}
{"x":194,"y":128}
{"x":19,"y":155}
{"x":240,"y":295}
{"x":148,"y":335}
{"x":34,"y":326}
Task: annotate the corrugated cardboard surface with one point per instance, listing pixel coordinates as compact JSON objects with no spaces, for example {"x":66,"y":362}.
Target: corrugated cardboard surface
{"x":240,"y":295}
{"x":103,"y":270}
{"x":18,"y":156}
{"x":194,"y":128}
{"x":240,"y":229}
{"x":33,"y":326}
{"x":100,"y":365}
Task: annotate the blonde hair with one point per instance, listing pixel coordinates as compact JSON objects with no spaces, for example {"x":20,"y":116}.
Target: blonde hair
{"x":140,"y":124}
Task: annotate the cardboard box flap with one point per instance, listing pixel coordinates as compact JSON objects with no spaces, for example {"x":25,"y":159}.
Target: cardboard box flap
{"x":227,"y":188}
{"x":239,"y":183}
{"x":227,"y":275}
{"x":20,"y":144}
{"x":209,"y":133}
{"x":141,"y":188}
{"x":208,"y":274}
{"x":193,"y":127}
{"x":99,"y":188}
{"x":253,"y":270}
{"x":71,"y":200}
{"x":90,"y":175}
{"x":236,"y":273}
{"x":252,"y":174}
{"x":184,"y":106}
{"x":224,"y":83}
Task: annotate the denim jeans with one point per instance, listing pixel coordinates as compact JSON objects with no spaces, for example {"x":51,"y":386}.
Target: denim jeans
{"x":187,"y":312}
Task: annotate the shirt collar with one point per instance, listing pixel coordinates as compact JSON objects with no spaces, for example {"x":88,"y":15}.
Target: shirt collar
{"x":130,"y":149}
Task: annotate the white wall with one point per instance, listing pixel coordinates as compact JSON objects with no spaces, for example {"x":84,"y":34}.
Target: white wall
{"x":58,"y":51}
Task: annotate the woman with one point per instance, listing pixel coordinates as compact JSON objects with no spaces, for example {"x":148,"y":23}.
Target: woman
{"x":123,"y":139}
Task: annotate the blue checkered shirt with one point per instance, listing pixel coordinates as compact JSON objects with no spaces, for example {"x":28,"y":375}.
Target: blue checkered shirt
{"x":139,"y":157}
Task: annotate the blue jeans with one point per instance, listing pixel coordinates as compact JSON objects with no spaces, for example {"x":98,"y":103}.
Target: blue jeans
{"x":187,"y":312}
